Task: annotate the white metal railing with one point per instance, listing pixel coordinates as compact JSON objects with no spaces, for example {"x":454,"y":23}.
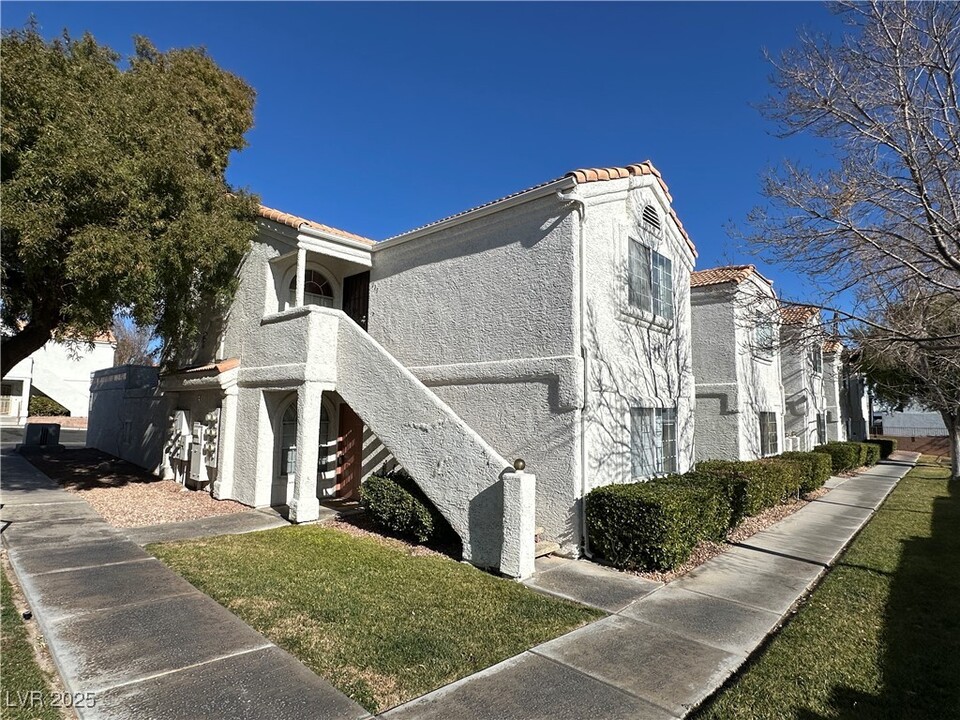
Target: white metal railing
{"x":9,"y":405}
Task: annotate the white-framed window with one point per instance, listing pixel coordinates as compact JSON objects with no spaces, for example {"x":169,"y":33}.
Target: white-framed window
{"x":765,"y":335}
{"x":821,"y":428}
{"x":816,"y":360}
{"x":650,"y":280}
{"x":768,"y":434}
{"x":653,"y":441}
{"x":317,"y":289}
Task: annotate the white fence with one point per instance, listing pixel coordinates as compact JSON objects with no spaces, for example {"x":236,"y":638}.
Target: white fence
{"x":916,"y":424}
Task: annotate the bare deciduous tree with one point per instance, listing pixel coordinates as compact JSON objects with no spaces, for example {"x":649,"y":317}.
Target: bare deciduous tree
{"x":133,"y":343}
{"x":902,"y":372}
{"x":888,"y":214}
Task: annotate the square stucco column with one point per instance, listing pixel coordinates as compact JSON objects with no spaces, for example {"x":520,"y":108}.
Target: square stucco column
{"x":223,"y":487}
{"x":519,"y":524}
{"x":301,"y":275}
{"x":305,"y":507}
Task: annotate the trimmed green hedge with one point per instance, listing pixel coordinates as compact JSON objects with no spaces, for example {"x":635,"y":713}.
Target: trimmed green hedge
{"x":817,"y":468}
{"x":843,"y":456}
{"x":888,"y":446}
{"x":750,"y":486}
{"x":398,"y":506}
{"x":653,"y":525}
{"x":872,"y":453}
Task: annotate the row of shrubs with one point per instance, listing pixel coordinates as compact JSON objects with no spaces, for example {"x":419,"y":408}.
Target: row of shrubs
{"x":652,"y":525}
{"x":655,"y":525}
{"x":849,"y":455}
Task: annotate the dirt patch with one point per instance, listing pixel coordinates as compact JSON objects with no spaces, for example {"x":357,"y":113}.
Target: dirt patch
{"x":126,"y":495}
{"x":749,"y":527}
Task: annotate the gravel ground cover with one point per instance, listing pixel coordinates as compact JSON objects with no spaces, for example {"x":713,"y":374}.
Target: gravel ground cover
{"x":126,"y":495}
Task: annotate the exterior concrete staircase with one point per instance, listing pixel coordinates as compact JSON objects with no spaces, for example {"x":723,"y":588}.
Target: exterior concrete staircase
{"x":487,"y":503}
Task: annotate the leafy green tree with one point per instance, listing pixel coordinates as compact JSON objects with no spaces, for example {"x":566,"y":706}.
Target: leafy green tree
{"x":113,"y":190}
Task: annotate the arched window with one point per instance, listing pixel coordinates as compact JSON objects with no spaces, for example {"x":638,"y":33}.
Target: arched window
{"x":288,"y":440}
{"x":316,"y":289}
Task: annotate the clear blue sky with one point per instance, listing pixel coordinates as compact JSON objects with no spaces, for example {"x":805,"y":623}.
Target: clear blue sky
{"x":377,"y":118}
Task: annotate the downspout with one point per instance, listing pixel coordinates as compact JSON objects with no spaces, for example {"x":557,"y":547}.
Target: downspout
{"x":574,"y":197}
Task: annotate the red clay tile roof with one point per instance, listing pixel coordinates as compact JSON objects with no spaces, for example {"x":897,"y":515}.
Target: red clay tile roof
{"x":727,"y":274}
{"x":297,"y":222}
{"x":797,"y":314}
{"x":220,"y":367}
{"x":646,"y":167}
{"x":832,"y":346}
{"x":583,"y":175}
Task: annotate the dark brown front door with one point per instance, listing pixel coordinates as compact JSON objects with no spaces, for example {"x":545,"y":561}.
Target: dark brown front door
{"x":356,"y":297}
{"x":350,"y":452}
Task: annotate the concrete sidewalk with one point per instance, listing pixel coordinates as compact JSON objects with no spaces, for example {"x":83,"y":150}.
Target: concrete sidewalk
{"x":121,"y":625}
{"x":665,"y":648}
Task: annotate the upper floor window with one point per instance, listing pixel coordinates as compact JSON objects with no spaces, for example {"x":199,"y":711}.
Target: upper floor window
{"x":816,"y":359}
{"x":766,"y":335}
{"x":650,"y":280}
{"x":653,"y":441}
{"x":316,"y":290}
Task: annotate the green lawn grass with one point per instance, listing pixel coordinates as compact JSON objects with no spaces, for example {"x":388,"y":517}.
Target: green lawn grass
{"x":381,"y":624}
{"x":20,"y":675}
{"x":880,"y":636}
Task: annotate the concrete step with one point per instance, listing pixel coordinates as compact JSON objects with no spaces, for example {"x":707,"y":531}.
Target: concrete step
{"x":545,"y":547}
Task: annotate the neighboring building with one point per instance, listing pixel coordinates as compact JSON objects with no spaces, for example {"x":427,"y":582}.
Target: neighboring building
{"x":912,"y":421}
{"x":60,"y":371}
{"x":833,"y":390}
{"x":855,"y":403}
{"x":801,"y":363}
{"x":552,"y":325}
{"x":736,"y":361}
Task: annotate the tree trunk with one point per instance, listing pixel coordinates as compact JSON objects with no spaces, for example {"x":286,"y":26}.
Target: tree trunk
{"x":15,"y":348}
{"x":952,"y":421}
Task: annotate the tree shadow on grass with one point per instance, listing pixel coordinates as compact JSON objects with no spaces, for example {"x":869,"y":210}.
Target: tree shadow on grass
{"x":921,"y":634}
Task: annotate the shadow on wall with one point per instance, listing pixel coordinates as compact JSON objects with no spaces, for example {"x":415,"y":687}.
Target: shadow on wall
{"x":635,"y":362}
{"x":920,"y":632}
{"x":486,"y":526}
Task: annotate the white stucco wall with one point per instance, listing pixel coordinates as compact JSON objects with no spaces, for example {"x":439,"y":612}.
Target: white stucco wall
{"x":735,"y":380}
{"x":803,"y":388}
{"x":832,"y":373}
{"x":128,"y":416}
{"x":633,"y":358}
{"x":62,"y":371}
{"x":484,"y":314}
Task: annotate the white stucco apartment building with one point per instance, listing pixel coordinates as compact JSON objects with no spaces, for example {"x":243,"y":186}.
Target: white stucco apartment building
{"x":833,"y":390}
{"x":552,"y":325}
{"x":736,"y":361}
{"x":802,"y":370}
{"x":58,"y":370}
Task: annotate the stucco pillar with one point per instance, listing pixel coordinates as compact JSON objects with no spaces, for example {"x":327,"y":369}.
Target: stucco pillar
{"x":223,"y":486}
{"x":301,"y":274}
{"x":517,"y":553}
{"x":304,"y":506}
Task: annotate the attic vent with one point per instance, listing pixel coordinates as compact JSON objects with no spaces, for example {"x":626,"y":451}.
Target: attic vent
{"x":651,"y":218}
